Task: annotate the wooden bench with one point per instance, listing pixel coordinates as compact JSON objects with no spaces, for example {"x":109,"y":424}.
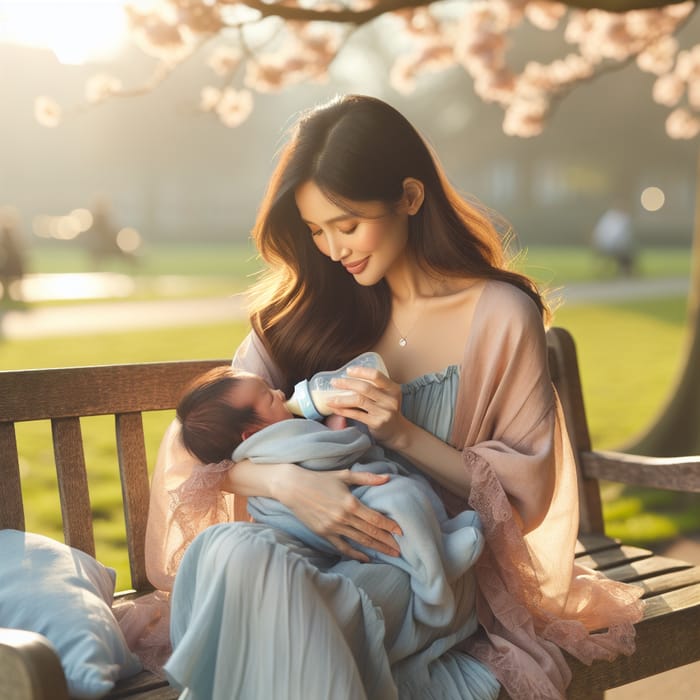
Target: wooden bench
{"x":668,"y":637}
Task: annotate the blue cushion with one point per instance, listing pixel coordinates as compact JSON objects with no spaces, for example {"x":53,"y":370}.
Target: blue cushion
{"x":66,"y":595}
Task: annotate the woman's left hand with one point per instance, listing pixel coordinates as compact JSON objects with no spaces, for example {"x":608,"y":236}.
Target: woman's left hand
{"x":375,"y":401}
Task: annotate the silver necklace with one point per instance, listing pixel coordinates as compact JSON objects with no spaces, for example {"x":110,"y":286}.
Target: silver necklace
{"x":403,"y":337}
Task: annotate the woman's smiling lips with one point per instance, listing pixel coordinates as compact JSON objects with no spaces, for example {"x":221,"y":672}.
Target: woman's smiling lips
{"x":355,"y":268}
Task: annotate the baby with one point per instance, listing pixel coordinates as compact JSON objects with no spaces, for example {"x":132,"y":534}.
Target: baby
{"x":227,"y":414}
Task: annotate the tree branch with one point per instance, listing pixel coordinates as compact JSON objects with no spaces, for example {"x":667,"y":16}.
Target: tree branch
{"x":346,"y":16}
{"x":619,"y":6}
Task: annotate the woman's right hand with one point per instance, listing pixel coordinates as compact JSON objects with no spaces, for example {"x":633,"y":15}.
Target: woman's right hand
{"x":323,"y":502}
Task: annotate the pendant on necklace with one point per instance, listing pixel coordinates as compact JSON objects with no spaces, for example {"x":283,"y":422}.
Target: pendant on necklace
{"x":403,"y":342}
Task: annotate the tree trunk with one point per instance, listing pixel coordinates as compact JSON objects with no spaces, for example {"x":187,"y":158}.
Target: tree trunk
{"x":676,"y":432}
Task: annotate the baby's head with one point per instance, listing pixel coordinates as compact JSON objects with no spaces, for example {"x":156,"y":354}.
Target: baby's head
{"x":224,"y":406}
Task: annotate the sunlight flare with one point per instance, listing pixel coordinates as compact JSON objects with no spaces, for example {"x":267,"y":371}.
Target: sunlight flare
{"x":76,"y":32}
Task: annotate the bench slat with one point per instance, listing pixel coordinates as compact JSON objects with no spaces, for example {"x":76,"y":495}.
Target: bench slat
{"x":563,"y":367}
{"x":672,"y":473}
{"x":646,"y":568}
{"x":143,"y":685}
{"x":609,"y":558}
{"x":160,"y":693}
{"x":73,"y":484}
{"x":98,"y":390}
{"x":669,"y":582}
{"x":680,"y":599}
{"x":591,"y":543}
{"x":11,"y":503}
{"x":133,"y":471}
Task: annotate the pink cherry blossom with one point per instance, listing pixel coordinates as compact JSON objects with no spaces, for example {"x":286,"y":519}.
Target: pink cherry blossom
{"x":668,"y":90}
{"x":101,"y":86}
{"x":660,"y":56}
{"x":47,"y":112}
{"x":209,"y":98}
{"x":234,"y":107}
{"x":545,"y":15}
{"x":224,"y":60}
{"x":681,"y":124}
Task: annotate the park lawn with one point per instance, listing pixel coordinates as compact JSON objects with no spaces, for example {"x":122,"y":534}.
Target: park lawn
{"x":554,"y":266}
{"x":236,"y":259}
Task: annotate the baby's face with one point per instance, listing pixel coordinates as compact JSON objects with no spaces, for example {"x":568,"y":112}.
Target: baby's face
{"x":268,"y":403}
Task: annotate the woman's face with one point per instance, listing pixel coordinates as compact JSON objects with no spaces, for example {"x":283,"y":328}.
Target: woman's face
{"x":368,"y":244}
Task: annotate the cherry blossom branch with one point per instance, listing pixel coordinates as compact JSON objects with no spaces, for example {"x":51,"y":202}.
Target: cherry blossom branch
{"x":381,"y":7}
{"x":618,"y":6}
{"x":304,"y":37}
{"x":609,"y":68}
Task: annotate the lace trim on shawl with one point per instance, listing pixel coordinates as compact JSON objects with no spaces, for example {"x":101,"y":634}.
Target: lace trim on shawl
{"x":196,"y":504}
{"x":145,"y":623}
{"x":523,"y":635}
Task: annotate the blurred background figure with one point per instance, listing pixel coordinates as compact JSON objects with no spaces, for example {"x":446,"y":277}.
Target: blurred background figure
{"x":102,"y":239}
{"x":12,"y":257}
{"x":613,"y":239}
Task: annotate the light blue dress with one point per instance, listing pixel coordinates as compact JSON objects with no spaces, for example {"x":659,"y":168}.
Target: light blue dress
{"x":256,"y":614}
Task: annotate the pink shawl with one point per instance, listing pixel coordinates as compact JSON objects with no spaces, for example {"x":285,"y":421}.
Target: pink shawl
{"x":532,"y":597}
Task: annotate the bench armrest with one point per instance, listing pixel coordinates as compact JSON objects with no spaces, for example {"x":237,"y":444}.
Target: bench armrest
{"x":670,"y":473}
{"x":29,"y":667}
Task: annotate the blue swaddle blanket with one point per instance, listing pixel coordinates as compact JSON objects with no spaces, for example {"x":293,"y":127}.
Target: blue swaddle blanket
{"x":435,"y":549}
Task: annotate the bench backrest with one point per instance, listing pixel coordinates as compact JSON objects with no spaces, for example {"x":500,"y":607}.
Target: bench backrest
{"x":563,"y":367}
{"x":66,"y":395}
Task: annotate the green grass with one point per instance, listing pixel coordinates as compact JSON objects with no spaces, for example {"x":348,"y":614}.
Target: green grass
{"x":553,"y":266}
{"x":232,"y":260}
{"x":625,"y":384}
{"x":627,"y":379}
{"x":162,"y":271}
{"x":218,"y":340}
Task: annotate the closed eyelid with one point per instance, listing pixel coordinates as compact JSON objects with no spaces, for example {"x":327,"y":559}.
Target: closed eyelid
{"x":335,"y":220}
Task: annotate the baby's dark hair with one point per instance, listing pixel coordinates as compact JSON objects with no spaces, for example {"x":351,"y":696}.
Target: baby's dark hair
{"x":211,"y":428}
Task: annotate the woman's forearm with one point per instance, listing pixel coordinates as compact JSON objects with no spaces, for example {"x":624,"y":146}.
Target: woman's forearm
{"x":246,"y":478}
{"x":436,"y":458}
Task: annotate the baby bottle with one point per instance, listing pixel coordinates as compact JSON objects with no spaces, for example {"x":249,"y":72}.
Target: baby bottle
{"x":310,"y":396}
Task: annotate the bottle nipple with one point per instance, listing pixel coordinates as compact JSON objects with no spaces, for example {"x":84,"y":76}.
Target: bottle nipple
{"x":301,"y":403}
{"x":310,"y":396}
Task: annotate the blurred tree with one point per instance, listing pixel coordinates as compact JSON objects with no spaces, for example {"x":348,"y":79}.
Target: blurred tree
{"x":676,"y":431}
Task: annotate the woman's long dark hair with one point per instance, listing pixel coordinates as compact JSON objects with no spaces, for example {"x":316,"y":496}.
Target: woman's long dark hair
{"x":309,"y":312}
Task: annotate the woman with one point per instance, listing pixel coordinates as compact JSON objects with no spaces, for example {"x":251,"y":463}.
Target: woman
{"x":370,"y":248}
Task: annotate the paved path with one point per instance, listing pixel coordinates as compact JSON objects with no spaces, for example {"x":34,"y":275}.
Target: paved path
{"x":105,"y":316}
